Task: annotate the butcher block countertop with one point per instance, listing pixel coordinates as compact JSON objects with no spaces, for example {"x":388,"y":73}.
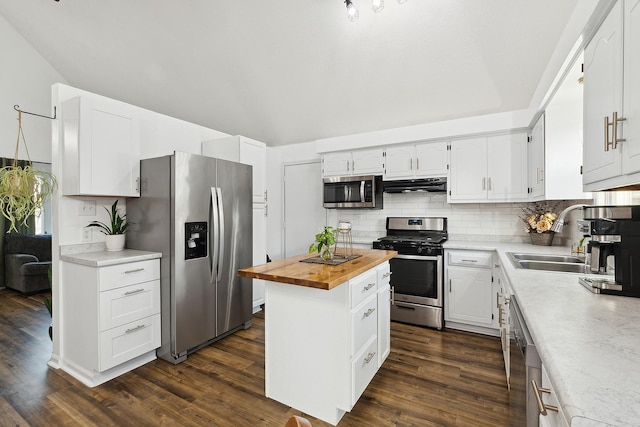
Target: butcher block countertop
{"x":320,"y":276}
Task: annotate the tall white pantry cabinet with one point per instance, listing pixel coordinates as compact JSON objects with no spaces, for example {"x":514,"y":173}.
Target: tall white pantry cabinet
{"x":250,"y":152}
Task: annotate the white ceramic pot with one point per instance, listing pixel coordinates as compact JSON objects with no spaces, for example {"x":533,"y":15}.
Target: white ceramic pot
{"x":114,"y":242}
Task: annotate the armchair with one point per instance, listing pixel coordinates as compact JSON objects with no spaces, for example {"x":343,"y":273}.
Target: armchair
{"x":26,"y":262}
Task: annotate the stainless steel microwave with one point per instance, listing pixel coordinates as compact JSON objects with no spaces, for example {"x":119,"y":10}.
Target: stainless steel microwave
{"x":349,"y":192}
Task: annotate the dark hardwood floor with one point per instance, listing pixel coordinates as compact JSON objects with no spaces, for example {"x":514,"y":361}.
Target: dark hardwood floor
{"x":431,"y":378}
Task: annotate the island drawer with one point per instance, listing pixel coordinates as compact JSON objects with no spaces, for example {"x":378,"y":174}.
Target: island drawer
{"x":363,"y":369}
{"x":363,"y":286}
{"x":115,"y":276}
{"x":384,"y":274}
{"x":126,"y":304}
{"x":364,"y":323}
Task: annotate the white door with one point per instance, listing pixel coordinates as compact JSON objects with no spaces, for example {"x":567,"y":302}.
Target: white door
{"x":469,"y":296}
{"x":468,"y":174}
{"x":507,"y":167}
{"x":631,"y":128}
{"x":399,"y":162}
{"x":431,"y":159}
{"x":602,"y":96}
{"x":304,"y":215}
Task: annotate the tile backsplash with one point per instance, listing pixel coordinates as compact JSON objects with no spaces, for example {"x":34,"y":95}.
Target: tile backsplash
{"x":499,"y":222}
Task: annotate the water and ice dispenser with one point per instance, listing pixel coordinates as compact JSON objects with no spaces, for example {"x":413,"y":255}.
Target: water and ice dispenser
{"x":195,"y":240}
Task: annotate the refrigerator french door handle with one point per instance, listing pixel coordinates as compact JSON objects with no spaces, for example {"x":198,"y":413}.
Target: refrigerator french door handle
{"x":214,"y":238}
{"x":221,"y":225}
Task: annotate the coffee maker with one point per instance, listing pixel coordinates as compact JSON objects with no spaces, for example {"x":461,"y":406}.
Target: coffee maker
{"x":615,"y":248}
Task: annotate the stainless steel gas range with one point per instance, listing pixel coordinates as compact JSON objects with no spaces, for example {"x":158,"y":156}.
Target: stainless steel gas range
{"x":417,"y":271}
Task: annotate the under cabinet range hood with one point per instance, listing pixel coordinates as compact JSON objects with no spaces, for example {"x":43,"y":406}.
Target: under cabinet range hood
{"x":410,"y":185}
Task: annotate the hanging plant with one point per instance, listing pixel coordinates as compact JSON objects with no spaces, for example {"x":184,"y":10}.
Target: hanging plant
{"x":23,"y":190}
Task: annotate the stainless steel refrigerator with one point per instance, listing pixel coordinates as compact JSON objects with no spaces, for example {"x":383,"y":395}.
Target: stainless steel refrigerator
{"x":197,"y":211}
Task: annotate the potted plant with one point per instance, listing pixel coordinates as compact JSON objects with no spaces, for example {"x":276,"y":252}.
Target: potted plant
{"x":324,"y":243}
{"x":23,"y":189}
{"x":539,"y":219}
{"x":114,"y":233}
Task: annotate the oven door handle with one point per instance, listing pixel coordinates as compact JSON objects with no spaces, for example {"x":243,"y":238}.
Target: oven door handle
{"x":420,"y":257}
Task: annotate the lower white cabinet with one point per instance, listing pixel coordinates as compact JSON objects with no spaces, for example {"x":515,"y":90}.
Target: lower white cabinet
{"x":259,"y":250}
{"x":552,"y":415}
{"x":503,"y":298}
{"x":323,"y":347}
{"x":111,"y":321}
{"x":468,"y":296}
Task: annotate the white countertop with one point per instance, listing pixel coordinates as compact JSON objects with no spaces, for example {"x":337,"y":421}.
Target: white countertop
{"x":589,"y":343}
{"x":105,"y":258}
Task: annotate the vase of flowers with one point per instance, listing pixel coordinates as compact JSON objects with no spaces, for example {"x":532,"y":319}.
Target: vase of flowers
{"x":538,"y":221}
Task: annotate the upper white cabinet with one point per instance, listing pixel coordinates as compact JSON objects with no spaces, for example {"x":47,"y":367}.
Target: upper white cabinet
{"x":612,"y":101}
{"x":416,"y":161}
{"x":361,"y":162}
{"x":246,"y":151}
{"x":490,"y":168}
{"x":535,"y":151}
{"x":101,"y":148}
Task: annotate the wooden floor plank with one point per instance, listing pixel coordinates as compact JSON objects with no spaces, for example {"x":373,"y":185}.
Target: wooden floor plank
{"x":431,"y":378}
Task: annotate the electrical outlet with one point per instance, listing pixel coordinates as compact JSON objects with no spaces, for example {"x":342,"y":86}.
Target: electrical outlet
{"x":86,"y":234}
{"x":88,"y":208}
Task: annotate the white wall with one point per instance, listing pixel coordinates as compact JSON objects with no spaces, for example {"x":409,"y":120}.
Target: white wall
{"x":25,"y":79}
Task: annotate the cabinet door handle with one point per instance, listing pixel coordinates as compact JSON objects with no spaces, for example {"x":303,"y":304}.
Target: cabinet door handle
{"x":497,"y":299}
{"x":369,"y":286}
{"x":542,"y":407}
{"x":369,"y":358}
{"x":137,"y":291}
{"x":393,"y":296}
{"x":484,"y":184}
{"x":133,"y":271}
{"x":347,"y":165}
{"x":417,"y":163}
{"x":615,"y":139}
{"x":137,"y":328}
{"x":489,"y":183}
{"x":606,"y":133}
{"x":411,"y":164}
{"x":368,"y":312}
{"x":449,"y":285}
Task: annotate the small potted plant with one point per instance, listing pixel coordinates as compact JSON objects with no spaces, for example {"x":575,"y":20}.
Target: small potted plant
{"x":324,"y":243}
{"x":114,"y":233}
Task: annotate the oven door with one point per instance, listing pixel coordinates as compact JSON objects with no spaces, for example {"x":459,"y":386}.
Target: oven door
{"x":417,"y":279}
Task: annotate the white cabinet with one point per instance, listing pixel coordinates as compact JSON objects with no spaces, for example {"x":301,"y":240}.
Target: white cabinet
{"x":612,"y":101}
{"x":535,"y":152}
{"x":503,"y":298}
{"x":335,"y":340}
{"x":361,"y":162}
{"x":469,"y":296}
{"x":243,"y":150}
{"x":111,"y":321}
{"x":100,"y":148}
{"x":416,"y":161}
{"x":259,"y":251}
{"x":553,"y":415}
{"x":490,"y":168}
{"x":384,"y":312}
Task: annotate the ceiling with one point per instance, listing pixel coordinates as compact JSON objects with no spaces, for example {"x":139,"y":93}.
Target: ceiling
{"x":288,"y":71}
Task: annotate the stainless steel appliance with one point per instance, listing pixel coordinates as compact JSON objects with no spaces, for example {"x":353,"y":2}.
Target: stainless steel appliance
{"x":416,"y":185}
{"x":525,"y":367}
{"x":353,"y":192}
{"x":417,"y":271}
{"x":615,"y":249}
{"x":197,"y":211}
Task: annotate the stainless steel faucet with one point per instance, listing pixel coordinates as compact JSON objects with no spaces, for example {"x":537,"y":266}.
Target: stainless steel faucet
{"x":559,"y":222}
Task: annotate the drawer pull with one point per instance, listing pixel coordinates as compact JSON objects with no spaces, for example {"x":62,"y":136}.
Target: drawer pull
{"x":369,"y":358}
{"x":542,"y":407}
{"x":387,"y":274}
{"x":137,"y":328}
{"x":134,"y":271}
{"x":368,"y":312}
{"x":469,"y":260}
{"x":369,"y":286}
{"x":137,"y":291}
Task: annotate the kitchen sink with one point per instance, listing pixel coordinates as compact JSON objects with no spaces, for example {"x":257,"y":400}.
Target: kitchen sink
{"x":559,"y":263}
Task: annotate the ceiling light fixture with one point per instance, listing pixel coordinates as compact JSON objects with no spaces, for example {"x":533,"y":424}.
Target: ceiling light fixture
{"x":376,"y":5}
{"x":352,"y":12}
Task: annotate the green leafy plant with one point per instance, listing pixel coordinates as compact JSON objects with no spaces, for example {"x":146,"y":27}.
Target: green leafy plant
{"x":118,"y":223}
{"x":325,"y":239}
{"x":23,"y":190}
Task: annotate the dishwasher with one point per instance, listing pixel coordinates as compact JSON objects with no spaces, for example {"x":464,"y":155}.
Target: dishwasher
{"x":525,"y":366}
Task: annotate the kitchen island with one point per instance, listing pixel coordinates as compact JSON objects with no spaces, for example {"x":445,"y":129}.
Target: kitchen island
{"x":326,"y":330}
